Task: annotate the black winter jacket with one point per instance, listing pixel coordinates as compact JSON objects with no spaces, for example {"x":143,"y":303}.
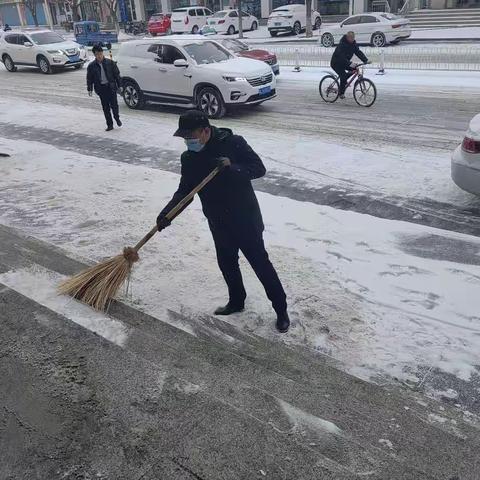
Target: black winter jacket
{"x":94,"y":76}
{"x":228,"y":201}
{"x":342,"y":56}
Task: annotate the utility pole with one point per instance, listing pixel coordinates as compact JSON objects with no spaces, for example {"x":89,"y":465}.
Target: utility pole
{"x":240,"y":19}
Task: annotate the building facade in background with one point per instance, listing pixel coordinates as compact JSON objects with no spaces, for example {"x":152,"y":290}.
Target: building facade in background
{"x":58,"y":12}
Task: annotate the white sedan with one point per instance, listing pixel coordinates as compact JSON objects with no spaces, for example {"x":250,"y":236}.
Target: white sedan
{"x":466,"y":159}
{"x":376,"y":29}
{"x":227,"y":21}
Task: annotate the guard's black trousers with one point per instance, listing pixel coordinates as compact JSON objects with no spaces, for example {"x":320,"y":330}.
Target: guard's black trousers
{"x":344,"y":75}
{"x":228,"y":245}
{"x":108,"y":97}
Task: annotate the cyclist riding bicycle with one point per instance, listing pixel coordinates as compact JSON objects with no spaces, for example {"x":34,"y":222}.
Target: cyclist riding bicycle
{"x":342,"y":60}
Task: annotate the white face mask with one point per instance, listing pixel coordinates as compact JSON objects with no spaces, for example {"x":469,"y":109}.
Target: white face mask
{"x":194,"y":144}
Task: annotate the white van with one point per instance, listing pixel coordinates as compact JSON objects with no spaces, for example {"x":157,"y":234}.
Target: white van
{"x":291,"y":18}
{"x":189,"y":19}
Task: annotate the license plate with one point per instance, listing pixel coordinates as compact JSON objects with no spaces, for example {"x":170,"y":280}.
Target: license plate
{"x":277,"y":24}
{"x":265,"y":90}
{"x":74,"y":58}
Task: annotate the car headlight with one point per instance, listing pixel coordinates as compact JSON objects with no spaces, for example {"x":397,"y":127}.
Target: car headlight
{"x":232,"y":78}
{"x":55,"y":52}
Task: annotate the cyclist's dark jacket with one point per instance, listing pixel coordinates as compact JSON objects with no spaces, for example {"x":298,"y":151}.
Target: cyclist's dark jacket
{"x":343,"y":54}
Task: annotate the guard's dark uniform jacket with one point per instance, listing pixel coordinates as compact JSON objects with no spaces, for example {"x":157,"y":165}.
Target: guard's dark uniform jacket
{"x":94,"y":75}
{"x":231,"y":207}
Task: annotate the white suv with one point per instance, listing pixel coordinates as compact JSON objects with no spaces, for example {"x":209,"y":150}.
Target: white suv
{"x":291,"y":18}
{"x":40,"y":48}
{"x":191,"y":71}
{"x":189,"y":19}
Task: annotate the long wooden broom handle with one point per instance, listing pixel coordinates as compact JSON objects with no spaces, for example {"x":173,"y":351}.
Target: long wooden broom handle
{"x":177,"y":208}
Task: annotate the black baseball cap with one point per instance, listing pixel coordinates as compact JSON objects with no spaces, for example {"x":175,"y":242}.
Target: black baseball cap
{"x":97,"y":48}
{"x":190,"y":121}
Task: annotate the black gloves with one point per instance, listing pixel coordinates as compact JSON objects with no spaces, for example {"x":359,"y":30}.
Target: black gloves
{"x":163,"y":222}
{"x":223,"y":162}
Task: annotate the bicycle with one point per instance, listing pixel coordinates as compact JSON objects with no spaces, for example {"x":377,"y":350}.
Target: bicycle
{"x":364,"y":90}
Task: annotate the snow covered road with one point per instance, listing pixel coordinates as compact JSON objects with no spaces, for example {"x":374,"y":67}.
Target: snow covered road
{"x":392,"y":160}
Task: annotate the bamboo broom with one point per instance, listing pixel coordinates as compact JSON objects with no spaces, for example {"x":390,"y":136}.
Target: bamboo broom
{"x":98,"y":285}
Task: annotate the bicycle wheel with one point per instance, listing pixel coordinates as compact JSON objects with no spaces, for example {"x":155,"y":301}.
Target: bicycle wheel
{"x":365,"y":92}
{"x":328,"y":88}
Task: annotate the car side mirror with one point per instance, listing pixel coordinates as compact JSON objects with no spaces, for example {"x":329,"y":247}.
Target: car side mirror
{"x":27,"y":44}
{"x":181,"y":62}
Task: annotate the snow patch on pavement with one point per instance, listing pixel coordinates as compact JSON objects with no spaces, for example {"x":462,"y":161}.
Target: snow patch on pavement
{"x":303,"y":421}
{"x":40,"y":285}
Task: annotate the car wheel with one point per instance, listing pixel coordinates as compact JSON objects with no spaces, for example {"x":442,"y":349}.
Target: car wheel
{"x":297,"y":28}
{"x":195,"y":29}
{"x":327,"y":40}
{"x":378,"y":39}
{"x":133,"y":96}
{"x":44,"y":65}
{"x":9,"y":65}
{"x":254,"y":26}
{"x":210,"y":102}
{"x":317,"y":24}
{"x":231,"y":30}
{"x":273,"y":34}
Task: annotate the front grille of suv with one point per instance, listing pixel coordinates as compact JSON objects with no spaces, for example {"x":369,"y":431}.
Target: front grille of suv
{"x":259,"y":81}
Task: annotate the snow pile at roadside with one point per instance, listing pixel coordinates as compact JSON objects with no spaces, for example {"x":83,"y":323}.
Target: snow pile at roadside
{"x":360,"y":289}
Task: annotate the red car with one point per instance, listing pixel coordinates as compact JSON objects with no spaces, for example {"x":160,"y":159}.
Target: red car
{"x":241,"y":49}
{"x":159,"y":24}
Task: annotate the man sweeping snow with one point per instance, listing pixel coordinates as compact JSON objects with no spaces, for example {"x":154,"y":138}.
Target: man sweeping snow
{"x":231,"y":207}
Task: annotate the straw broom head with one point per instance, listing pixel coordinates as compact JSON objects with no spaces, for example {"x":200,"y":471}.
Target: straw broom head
{"x":98,"y":285}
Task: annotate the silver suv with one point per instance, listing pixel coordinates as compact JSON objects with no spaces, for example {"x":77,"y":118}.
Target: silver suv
{"x":40,"y":48}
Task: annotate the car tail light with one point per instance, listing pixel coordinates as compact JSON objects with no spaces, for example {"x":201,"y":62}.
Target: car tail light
{"x":186,"y":20}
{"x":470,"y":145}
{"x":221,"y":21}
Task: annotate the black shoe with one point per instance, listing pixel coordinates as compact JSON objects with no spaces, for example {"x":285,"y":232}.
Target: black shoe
{"x":229,"y":308}
{"x":283,"y":322}
{"x":110,"y":127}
{"x":119,"y":122}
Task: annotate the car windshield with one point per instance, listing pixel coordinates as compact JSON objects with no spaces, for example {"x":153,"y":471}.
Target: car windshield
{"x":46,"y":38}
{"x":234,"y":45}
{"x":219,"y":15}
{"x":390,"y":16}
{"x":207,"y":52}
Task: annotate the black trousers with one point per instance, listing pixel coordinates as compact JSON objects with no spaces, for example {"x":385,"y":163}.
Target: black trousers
{"x":344,"y":74}
{"x":108,"y":97}
{"x":227,"y":245}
